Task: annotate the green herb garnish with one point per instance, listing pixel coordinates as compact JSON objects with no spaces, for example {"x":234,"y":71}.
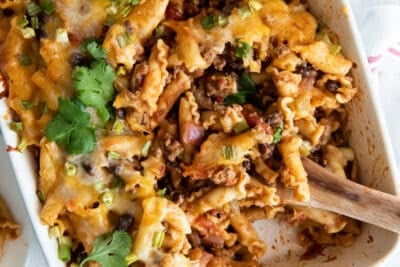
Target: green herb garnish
{"x":94,"y":86}
{"x":32,"y":9}
{"x":278,"y":134}
{"x":16,"y":126}
{"x":242,"y":49}
{"x":35,"y":22}
{"x":47,"y":6}
{"x":110,"y":250}
{"x":146,"y":148}
{"x":70,"y":127}
{"x":24,"y":60}
{"x":94,"y":49}
{"x":240,"y":127}
{"x":247,"y":90}
{"x":161,"y":192}
{"x":22,"y":22}
{"x":26,"y":104}
{"x":208,"y":22}
{"x":229,"y":152}
{"x":158,"y":239}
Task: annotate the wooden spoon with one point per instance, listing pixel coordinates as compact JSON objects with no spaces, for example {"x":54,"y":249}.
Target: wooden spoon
{"x":330,"y":192}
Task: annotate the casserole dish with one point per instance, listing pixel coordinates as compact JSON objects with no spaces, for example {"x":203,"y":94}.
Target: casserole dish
{"x":367,"y":136}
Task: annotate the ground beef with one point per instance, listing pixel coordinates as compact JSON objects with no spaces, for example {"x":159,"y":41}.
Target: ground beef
{"x":275,"y":119}
{"x":309,"y":76}
{"x":225,"y":175}
{"x":219,"y":63}
{"x":220,"y":85}
{"x":202,"y":100}
{"x":175,"y":10}
{"x":138,"y":75}
{"x":266,"y":150}
{"x":173,"y":149}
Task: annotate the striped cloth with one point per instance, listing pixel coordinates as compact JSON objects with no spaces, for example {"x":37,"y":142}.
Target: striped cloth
{"x":379,"y":25}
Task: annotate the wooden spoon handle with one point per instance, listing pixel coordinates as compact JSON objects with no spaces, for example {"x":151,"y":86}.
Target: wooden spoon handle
{"x":351,"y":199}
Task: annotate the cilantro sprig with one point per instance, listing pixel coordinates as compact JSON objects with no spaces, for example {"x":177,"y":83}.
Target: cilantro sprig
{"x":93,"y":48}
{"x":70,"y":127}
{"x":110,"y":250}
{"x":94,"y":84}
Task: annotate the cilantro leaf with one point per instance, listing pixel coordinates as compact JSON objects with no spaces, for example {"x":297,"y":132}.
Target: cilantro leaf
{"x":70,"y":128}
{"x":110,"y":250}
{"x":82,"y":140}
{"x":94,"y":86}
{"x":95,"y":49}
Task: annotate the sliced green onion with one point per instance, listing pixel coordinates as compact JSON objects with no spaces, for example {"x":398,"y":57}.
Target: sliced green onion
{"x":118,"y":126}
{"x":65,"y":240}
{"x":161,"y":192}
{"x":22,"y":22}
{"x":113,"y":155}
{"x":35,"y":22}
{"x":109,"y":21}
{"x":305,"y":148}
{"x":64,"y":248}
{"x":47,"y":6}
{"x":28,"y":33}
{"x":43,"y":107}
{"x":160,"y":30}
{"x":242,"y":49}
{"x":246,"y":82}
{"x":125,"y":11}
{"x":134,"y":2}
{"x":24,"y":60}
{"x":26,"y":104}
{"x":123,"y":40}
{"x":229,"y":152}
{"x":54,"y":232}
{"x":41,"y":196}
{"x":107,"y":198}
{"x":244,"y":12}
{"x":112,"y":9}
{"x":117,"y":183}
{"x":158,"y":239}
{"x":278,"y":134}
{"x":32,"y":8}
{"x":240,"y":127}
{"x":146,"y":148}
{"x":131,"y":258}
{"x":16,"y":126}
{"x":22,"y":145}
{"x":208,"y":22}
{"x":121,"y":71}
{"x":255,"y":5}
{"x":62,"y":35}
{"x":222,"y":21}
{"x":99,"y":186}
{"x":69,"y":169}
{"x":335,"y":49}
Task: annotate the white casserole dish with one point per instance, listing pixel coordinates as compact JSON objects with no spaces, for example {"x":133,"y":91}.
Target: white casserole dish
{"x":368,"y":136}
